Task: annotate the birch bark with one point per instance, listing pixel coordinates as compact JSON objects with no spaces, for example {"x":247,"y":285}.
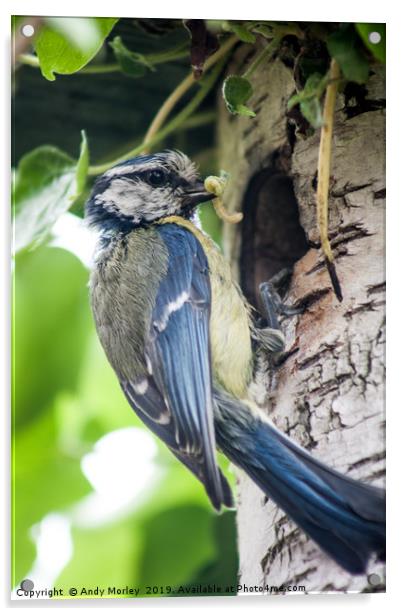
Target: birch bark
{"x":328,"y":393}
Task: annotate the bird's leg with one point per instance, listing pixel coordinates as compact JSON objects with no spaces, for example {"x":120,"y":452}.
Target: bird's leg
{"x":271,"y":336}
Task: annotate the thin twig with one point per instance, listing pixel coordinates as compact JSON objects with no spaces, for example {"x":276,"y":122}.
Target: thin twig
{"x":267,"y":52}
{"x":324,"y":165}
{"x":177,"y":121}
{"x":180,"y":90}
{"x":278,"y":33}
{"x":29,"y":59}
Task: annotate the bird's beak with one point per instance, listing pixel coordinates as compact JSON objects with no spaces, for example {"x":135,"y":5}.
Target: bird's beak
{"x":196,"y":194}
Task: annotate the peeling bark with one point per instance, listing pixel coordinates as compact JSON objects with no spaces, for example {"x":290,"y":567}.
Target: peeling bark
{"x":327,"y":393}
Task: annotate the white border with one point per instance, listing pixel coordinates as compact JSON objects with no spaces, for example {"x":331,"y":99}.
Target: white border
{"x":291,"y":10}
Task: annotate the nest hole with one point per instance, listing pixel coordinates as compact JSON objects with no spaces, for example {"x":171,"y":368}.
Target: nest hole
{"x":272,"y":236}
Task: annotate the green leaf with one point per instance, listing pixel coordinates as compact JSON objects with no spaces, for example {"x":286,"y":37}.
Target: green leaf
{"x":165,"y":548}
{"x":46,"y":184}
{"x":82,"y":164}
{"x":45,"y":479}
{"x":264,"y":30}
{"x":210,"y":222}
{"x":104,"y":557}
{"x":136,"y":64}
{"x":98,"y":391}
{"x":377,"y":49}
{"x":242,"y":33}
{"x":243,"y":110}
{"x":223,"y":569}
{"x":66,"y":44}
{"x":186,"y":534}
{"x":236,"y":92}
{"x":312,"y":111}
{"x":344,"y":46}
{"x":131,"y":63}
{"x":51,"y":322}
{"x":309,"y":99}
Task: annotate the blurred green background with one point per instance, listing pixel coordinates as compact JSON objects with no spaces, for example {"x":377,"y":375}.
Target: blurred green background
{"x":97,"y":501}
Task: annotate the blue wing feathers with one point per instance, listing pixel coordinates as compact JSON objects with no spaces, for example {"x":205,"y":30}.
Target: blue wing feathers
{"x":182,"y":349}
{"x":179,"y":353}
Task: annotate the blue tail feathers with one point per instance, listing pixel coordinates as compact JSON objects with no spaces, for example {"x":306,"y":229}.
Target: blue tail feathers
{"x":346,"y":518}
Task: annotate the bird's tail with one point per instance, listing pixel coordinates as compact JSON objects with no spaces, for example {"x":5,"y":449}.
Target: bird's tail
{"x":346,"y":518}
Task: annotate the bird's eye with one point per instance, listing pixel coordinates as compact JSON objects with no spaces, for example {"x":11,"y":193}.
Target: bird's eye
{"x":157,"y":177}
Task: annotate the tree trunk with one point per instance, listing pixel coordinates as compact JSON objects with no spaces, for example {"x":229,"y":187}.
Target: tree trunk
{"x":327,"y":393}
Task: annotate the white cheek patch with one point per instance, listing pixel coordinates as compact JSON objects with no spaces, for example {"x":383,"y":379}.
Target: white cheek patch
{"x":137,"y":200}
{"x":123,"y":195}
{"x":161,"y":202}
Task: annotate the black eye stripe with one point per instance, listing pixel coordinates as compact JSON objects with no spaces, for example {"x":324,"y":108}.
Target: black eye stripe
{"x":146,"y":176}
{"x":157,"y":177}
{"x":174,"y":180}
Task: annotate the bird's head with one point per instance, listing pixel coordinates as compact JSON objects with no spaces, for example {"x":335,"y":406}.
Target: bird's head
{"x":144,"y":189}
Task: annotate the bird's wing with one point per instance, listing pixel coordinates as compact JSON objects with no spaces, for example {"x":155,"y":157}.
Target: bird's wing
{"x":175,"y":397}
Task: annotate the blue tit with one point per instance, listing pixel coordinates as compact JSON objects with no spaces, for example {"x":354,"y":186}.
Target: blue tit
{"x":178,"y":333}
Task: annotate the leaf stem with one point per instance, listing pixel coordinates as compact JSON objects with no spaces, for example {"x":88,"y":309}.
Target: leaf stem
{"x":30,"y":60}
{"x":167,"y":56}
{"x":96,"y":69}
{"x":181,"y":89}
{"x":278,"y":33}
{"x":324,"y":165}
{"x":266,"y":52}
{"x":199,"y":119}
{"x":93,"y":69}
{"x":177,"y":121}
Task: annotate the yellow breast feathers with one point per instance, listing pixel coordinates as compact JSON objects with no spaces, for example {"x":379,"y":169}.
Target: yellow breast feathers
{"x":229,"y":325}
